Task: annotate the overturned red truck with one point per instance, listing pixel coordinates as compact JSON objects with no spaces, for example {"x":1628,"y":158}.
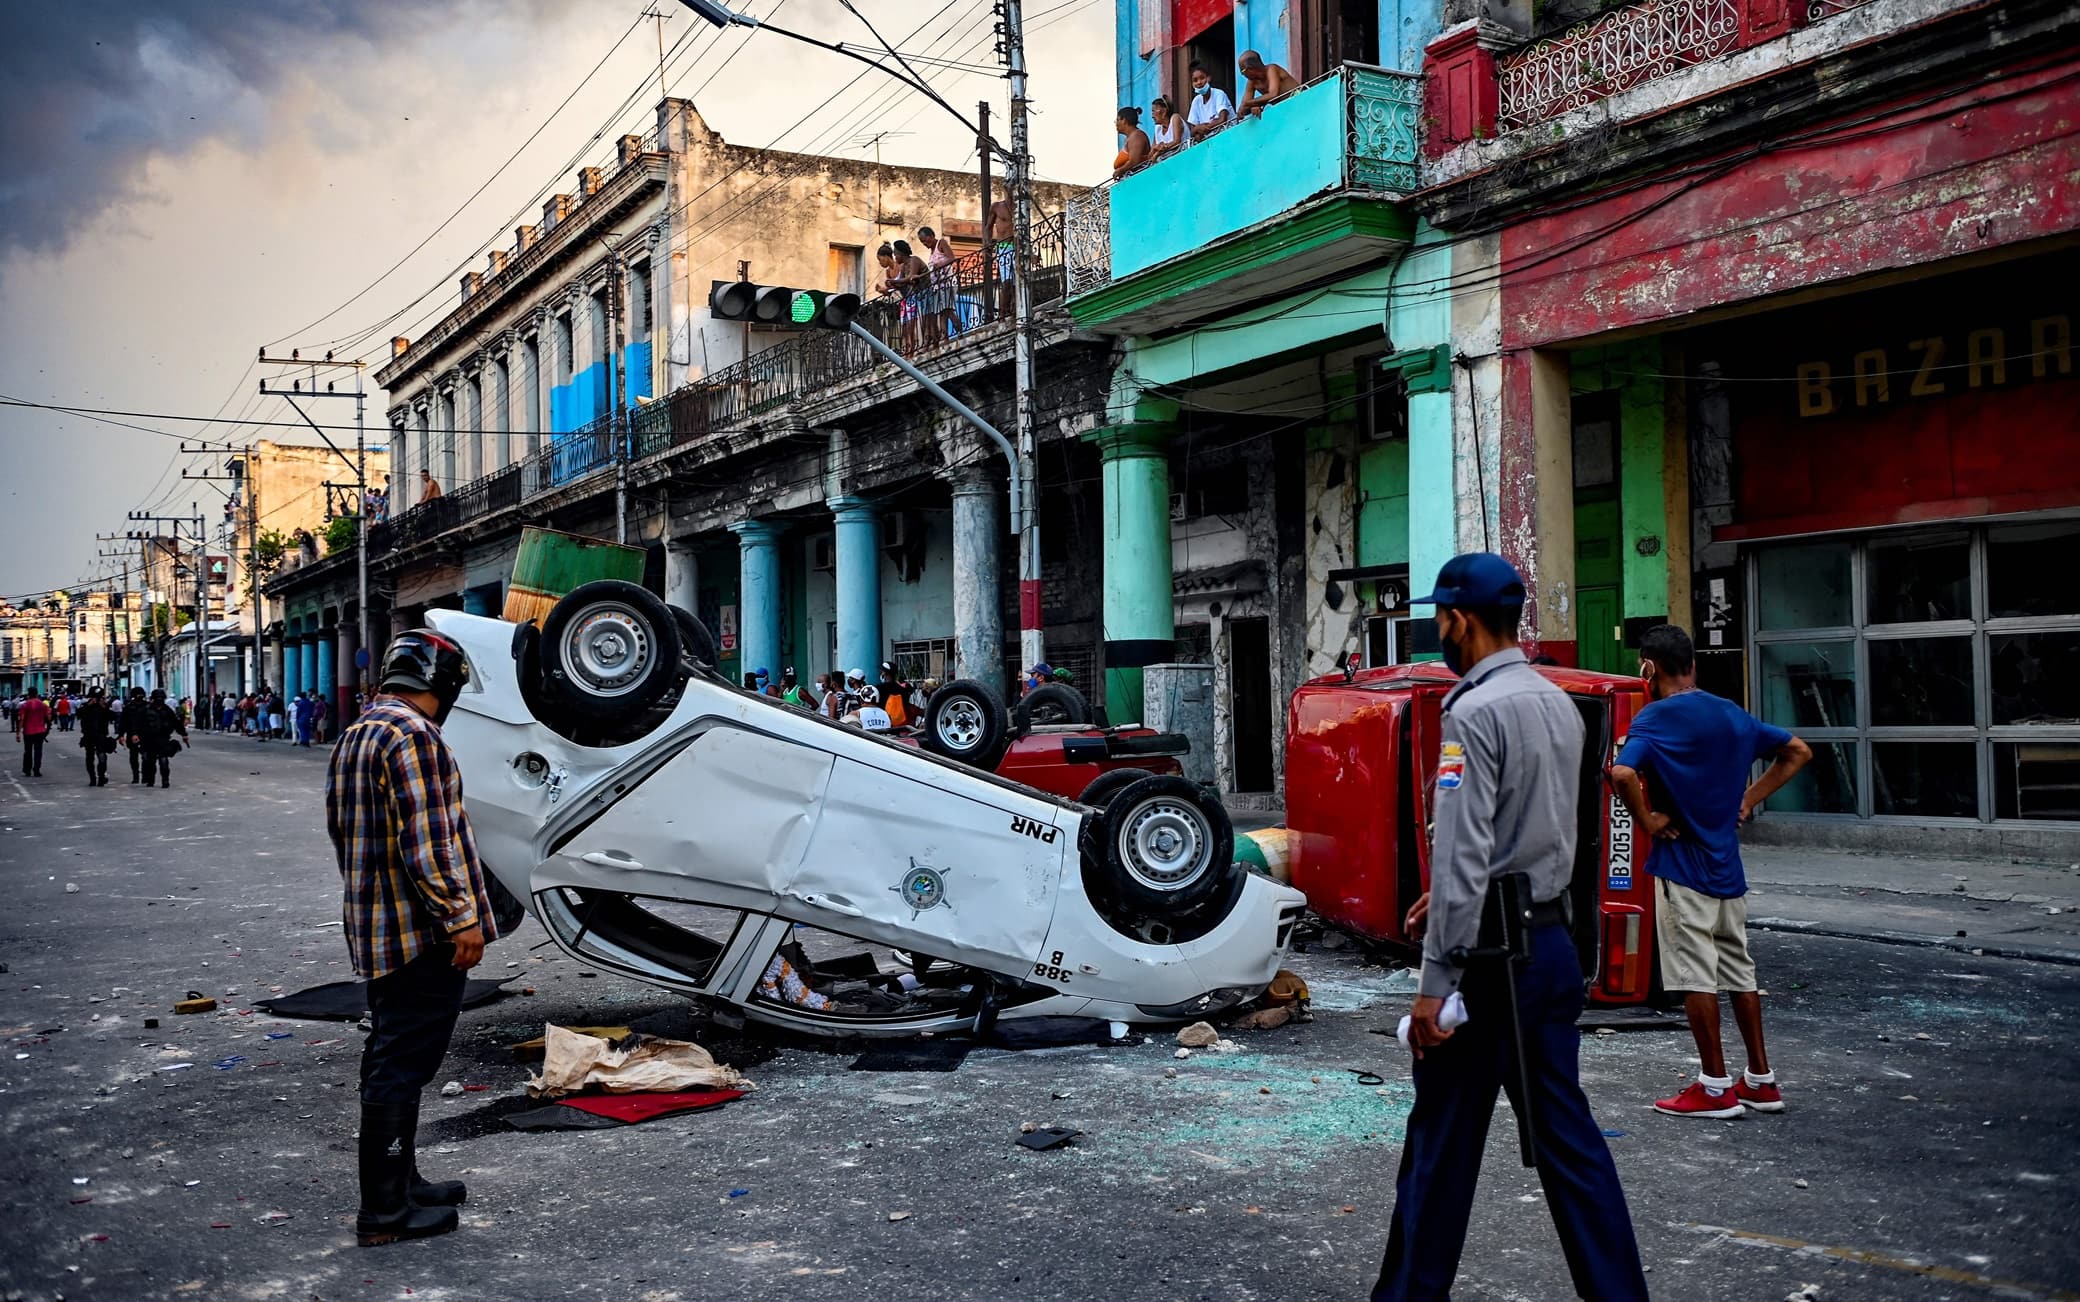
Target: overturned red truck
{"x":1361,"y":782}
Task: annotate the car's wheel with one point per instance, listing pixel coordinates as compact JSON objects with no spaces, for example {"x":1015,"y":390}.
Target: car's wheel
{"x":610,"y":652}
{"x":1107,"y":785}
{"x":1051,"y":703}
{"x":1161,"y":854}
{"x":694,"y":638}
{"x":967,"y":721}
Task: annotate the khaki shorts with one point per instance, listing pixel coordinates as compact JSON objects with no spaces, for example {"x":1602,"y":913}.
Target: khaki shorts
{"x":1703,"y":940}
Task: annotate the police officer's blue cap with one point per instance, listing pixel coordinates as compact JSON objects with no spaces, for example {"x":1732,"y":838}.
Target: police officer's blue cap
{"x":1476,"y":579}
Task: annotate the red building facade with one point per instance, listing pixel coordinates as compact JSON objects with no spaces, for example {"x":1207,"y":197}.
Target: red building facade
{"x":1782,"y":349}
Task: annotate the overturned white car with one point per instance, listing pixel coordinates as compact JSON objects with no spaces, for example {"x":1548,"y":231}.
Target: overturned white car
{"x":668,"y":826}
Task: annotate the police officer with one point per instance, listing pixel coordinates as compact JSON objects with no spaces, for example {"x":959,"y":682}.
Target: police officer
{"x":1507,"y":778}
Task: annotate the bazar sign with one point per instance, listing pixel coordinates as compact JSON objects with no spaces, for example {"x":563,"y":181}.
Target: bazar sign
{"x":1936,"y":366}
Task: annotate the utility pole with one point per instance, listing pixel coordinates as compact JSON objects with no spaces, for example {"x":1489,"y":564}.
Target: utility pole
{"x":201,"y":567}
{"x":242,"y":476}
{"x":1032,"y":639}
{"x":989,"y":255}
{"x":358,"y":463}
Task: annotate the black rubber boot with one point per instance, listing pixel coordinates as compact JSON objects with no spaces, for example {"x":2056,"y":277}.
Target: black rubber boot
{"x":425,"y":1192}
{"x":388,"y":1213}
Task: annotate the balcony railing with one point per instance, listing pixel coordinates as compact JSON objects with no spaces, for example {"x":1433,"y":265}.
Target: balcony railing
{"x":1354,"y":128}
{"x":962,"y":297}
{"x":1612,"y":52}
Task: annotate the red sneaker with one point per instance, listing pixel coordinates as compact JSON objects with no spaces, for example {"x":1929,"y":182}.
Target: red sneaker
{"x":1695,"y":1102}
{"x":1762,"y":1098}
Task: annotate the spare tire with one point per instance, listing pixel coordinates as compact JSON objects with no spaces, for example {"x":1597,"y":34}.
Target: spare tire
{"x":1051,"y":703}
{"x":967,"y":721}
{"x":609,"y":652}
{"x":1107,"y":785}
{"x":1161,"y":851}
{"x":694,"y":638}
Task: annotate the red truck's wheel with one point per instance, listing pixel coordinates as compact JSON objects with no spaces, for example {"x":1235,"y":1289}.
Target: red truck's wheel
{"x":1109,"y":784}
{"x":967,"y":721}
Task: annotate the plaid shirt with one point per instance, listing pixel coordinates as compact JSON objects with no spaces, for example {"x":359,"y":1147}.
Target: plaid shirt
{"x":393,"y":804}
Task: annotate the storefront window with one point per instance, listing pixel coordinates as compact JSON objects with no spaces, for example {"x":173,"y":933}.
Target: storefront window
{"x":2033,"y":779}
{"x":2033,"y":569}
{"x":1916,"y":663}
{"x":1921,"y":682}
{"x":1804,"y":587}
{"x":1915,"y":580}
{"x":1825,"y":786}
{"x":1809,"y":684}
{"x":1930,"y":779}
{"x":2035,"y":678}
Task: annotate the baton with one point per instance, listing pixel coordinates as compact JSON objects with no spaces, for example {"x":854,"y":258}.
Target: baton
{"x":1507,"y":895}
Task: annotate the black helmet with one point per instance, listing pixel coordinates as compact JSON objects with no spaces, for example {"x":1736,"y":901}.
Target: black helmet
{"x":421,"y":660}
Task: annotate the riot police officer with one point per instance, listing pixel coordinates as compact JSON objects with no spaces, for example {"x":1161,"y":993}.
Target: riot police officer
{"x":1507,"y":777}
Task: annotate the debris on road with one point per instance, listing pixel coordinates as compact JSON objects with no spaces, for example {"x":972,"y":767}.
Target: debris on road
{"x":1045,"y":1138}
{"x":452,"y":1090}
{"x":1199,"y":1035}
{"x":899,"y":1216}
{"x":72,"y":888}
{"x":1800,"y":1183}
{"x":532,"y":1050}
{"x":196,"y":1002}
{"x":1264,"y":1019}
{"x":573,"y":1063}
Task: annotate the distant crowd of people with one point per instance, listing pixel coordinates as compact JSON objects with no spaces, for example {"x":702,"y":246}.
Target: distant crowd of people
{"x":923,"y":280}
{"x":887,"y":703}
{"x":1210,"y":110}
{"x":264,"y":715}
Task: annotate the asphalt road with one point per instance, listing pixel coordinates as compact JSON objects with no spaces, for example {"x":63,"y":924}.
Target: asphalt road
{"x":1928,"y":1152}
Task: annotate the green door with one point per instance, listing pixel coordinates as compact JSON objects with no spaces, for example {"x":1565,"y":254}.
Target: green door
{"x":1598,"y":572}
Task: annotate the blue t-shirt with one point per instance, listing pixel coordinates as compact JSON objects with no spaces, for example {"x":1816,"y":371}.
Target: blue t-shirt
{"x":1694,"y":751}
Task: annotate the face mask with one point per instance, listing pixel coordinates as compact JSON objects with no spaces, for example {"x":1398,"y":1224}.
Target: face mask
{"x":1202,"y":90}
{"x":1454,"y":656}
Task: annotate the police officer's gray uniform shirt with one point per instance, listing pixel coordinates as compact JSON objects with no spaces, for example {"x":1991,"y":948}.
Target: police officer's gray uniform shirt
{"x":1508,"y":770}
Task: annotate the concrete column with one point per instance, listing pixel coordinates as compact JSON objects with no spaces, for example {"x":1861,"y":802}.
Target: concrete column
{"x":327,"y":680}
{"x":1537,"y":497}
{"x":1432,"y":524}
{"x":859,"y":583}
{"x":307,"y":661}
{"x":292,"y":667}
{"x":273,"y":670}
{"x":978,"y":609}
{"x":682,"y":575}
{"x":758,"y":593}
{"x":343,"y":697}
{"x":1139,"y":620}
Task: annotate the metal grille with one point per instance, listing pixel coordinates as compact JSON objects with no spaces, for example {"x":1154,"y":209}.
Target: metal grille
{"x":1611,"y":53}
{"x":1087,"y":226}
{"x":1380,"y":112}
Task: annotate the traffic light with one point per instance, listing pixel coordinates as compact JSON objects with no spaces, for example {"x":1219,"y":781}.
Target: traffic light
{"x":781,"y":307}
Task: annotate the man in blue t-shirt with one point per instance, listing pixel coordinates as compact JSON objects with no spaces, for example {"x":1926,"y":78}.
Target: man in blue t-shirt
{"x":1683,"y":772}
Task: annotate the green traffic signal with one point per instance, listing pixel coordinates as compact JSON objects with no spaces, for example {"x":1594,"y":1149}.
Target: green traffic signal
{"x":805,"y":307}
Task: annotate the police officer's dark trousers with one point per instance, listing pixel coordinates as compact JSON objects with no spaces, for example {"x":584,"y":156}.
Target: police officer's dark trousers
{"x":1448,"y":1132}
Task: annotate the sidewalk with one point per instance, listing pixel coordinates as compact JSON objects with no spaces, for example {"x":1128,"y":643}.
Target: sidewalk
{"x":2017,"y":909}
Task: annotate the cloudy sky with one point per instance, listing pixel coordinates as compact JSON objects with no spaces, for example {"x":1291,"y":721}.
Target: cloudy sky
{"x":183,"y":182}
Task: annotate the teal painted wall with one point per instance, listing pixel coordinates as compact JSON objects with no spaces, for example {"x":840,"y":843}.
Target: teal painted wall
{"x":925,"y":608}
{"x":1249,"y":173}
{"x":1296,"y":323}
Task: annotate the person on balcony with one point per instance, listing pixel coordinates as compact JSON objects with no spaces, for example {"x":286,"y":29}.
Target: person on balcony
{"x":1211,"y":107}
{"x":1170,"y":134}
{"x":886,"y":257}
{"x":428,"y":490}
{"x":939,"y":257}
{"x":1265,"y":82}
{"x":913,"y":280}
{"x":1134,"y":146}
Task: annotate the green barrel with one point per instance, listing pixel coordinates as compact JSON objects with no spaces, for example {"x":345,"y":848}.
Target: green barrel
{"x":550,"y":564}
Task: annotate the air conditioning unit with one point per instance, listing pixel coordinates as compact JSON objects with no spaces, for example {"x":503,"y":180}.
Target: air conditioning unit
{"x":823,"y":555}
{"x":902,"y":541}
{"x":1177,"y":511}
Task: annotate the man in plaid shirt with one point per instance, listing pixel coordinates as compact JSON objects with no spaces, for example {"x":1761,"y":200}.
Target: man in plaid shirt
{"x":417,"y":918}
